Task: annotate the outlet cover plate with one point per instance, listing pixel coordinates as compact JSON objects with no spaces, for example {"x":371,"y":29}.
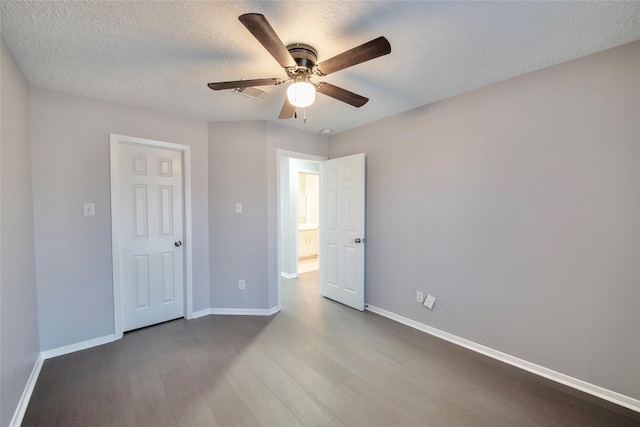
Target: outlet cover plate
{"x":429,"y":301}
{"x":419,"y":296}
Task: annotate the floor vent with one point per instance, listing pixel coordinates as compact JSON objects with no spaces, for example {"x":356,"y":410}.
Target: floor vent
{"x":256,"y":92}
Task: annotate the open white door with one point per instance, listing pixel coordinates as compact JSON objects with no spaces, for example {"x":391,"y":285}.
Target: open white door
{"x":342,"y":186}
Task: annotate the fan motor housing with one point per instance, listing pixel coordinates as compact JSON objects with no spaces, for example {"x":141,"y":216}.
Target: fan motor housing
{"x":304,"y":55}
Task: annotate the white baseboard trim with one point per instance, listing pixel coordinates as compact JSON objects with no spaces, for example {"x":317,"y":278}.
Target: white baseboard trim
{"x":236,"y":312}
{"x":21,"y":409}
{"x":33,"y":378}
{"x":273,"y":310}
{"x":60,"y":351}
{"x":244,"y":311}
{"x":289,"y":275}
{"x":201,"y":313}
{"x":602,"y":393}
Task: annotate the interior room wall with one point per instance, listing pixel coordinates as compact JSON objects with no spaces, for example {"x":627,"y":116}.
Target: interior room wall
{"x":243,"y":169}
{"x":19,"y":337}
{"x":70,"y":146}
{"x":238,"y":242}
{"x":518,"y":207}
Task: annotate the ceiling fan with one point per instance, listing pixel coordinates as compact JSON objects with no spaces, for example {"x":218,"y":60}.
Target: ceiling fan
{"x":300,"y":63}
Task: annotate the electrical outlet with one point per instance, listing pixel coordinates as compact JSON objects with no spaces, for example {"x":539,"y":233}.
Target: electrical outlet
{"x":419,"y":296}
{"x":429,"y":301}
{"x":241,"y":285}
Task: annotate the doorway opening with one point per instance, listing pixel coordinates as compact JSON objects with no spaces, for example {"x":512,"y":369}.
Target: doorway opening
{"x":340,"y":224}
{"x":308,"y":221}
{"x":298,"y":216}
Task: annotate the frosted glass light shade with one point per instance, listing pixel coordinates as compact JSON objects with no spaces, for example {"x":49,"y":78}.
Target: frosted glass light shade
{"x":301,"y":94}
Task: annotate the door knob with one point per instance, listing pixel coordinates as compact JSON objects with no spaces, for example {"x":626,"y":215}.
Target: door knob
{"x":359,"y":240}
{"x":178,"y":243}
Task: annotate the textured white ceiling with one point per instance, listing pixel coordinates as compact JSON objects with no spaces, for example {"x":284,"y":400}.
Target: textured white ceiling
{"x":161,"y":55}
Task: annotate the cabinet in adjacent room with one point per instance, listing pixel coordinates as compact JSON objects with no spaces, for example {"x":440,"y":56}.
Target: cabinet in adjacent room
{"x":307,"y":243}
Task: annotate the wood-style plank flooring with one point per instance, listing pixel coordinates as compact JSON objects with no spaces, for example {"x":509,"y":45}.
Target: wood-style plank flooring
{"x":316,"y":363}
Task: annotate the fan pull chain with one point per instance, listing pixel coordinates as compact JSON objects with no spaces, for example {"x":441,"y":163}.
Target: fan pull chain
{"x":304,"y":118}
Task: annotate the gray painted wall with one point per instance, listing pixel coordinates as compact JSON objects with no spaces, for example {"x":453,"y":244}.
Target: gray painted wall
{"x":518,"y":207}
{"x":243,"y":169}
{"x":19,"y":341}
{"x":238,"y":242}
{"x":70,"y":143}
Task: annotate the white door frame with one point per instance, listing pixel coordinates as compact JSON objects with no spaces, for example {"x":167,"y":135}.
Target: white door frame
{"x":115,"y":141}
{"x":281,"y":156}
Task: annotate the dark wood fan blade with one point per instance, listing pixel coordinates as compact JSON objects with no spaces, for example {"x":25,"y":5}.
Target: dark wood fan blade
{"x":288,"y":110}
{"x":244,"y":83}
{"x":364,"y":52}
{"x":342,"y":94}
{"x":258,"y":25}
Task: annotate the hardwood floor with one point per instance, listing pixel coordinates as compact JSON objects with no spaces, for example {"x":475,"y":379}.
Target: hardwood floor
{"x":315,"y":363}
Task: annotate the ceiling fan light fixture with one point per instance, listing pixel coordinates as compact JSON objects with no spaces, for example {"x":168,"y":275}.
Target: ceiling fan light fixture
{"x":301,"y":93}
{"x":300,"y":63}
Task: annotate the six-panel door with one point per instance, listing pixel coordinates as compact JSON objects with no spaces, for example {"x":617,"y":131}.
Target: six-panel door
{"x":342,"y":207}
{"x":151,"y":234}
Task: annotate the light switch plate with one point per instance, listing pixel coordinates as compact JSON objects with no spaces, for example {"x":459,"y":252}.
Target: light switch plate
{"x":89,"y":209}
{"x":429,"y":301}
{"x":238,"y":207}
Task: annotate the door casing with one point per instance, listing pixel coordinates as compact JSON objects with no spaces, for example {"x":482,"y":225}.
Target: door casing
{"x":115,"y":141}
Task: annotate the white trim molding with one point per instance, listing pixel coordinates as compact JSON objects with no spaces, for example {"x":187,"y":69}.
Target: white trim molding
{"x":244,"y":311}
{"x":21,"y":409}
{"x":115,"y":141}
{"x":602,"y":393}
{"x":289,"y":276}
{"x":72,"y":348}
{"x":201,"y":313}
{"x":236,"y":312}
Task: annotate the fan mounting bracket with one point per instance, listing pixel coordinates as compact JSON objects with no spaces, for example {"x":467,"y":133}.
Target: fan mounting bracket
{"x":315,"y":71}
{"x":305,"y":57}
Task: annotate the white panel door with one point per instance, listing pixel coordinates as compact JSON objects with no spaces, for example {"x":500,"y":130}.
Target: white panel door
{"x":342,"y":186}
{"x":151,"y":230}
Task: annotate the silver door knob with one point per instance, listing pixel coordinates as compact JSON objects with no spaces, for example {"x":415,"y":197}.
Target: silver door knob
{"x":178,"y":243}
{"x":359,"y":240}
